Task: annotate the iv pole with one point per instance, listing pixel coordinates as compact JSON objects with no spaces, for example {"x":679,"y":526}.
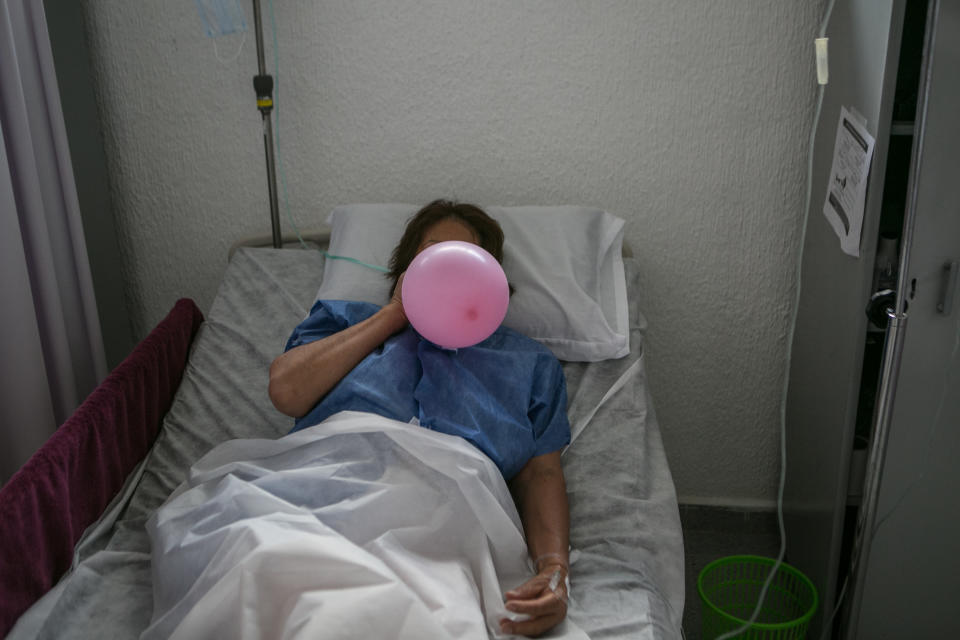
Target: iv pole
{"x":263,"y":85}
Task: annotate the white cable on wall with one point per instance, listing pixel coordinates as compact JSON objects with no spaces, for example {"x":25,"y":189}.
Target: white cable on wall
{"x":822,"y":75}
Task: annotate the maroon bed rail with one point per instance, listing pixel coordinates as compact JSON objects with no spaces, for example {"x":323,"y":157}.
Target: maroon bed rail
{"x":69,"y":481}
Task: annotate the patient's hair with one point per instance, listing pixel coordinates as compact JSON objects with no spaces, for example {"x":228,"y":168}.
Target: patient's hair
{"x":488,"y":232}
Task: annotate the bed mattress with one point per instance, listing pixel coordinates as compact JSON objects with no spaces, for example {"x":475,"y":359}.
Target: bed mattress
{"x":627,"y":574}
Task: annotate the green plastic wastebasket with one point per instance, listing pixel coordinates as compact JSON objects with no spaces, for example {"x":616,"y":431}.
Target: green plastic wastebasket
{"x":729,"y":589}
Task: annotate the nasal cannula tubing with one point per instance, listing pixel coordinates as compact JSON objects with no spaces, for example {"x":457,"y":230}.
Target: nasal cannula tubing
{"x":283,"y":175}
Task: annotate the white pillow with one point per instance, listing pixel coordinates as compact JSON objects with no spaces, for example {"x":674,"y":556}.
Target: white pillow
{"x":564,"y":262}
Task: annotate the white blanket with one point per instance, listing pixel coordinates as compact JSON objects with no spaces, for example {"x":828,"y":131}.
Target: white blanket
{"x":360,"y":527}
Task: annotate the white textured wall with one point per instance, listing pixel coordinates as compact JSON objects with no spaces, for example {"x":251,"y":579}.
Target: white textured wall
{"x":687,"y":119}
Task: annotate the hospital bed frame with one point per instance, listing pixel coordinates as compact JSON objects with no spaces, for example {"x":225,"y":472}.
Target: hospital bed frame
{"x":66,"y":486}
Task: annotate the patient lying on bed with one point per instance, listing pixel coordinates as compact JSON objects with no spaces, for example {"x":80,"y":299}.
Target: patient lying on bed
{"x":506,"y":396}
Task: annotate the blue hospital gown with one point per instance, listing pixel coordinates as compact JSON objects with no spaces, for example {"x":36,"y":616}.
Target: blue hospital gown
{"x":506,"y":395}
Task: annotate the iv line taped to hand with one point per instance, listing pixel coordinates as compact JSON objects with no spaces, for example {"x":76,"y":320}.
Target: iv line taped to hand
{"x":557,"y":577}
{"x":555,"y":581}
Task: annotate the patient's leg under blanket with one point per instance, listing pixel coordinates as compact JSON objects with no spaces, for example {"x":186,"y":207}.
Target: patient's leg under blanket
{"x":360,"y":527}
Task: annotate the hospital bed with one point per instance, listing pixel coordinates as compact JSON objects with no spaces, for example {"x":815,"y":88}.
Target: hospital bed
{"x":75,"y":554}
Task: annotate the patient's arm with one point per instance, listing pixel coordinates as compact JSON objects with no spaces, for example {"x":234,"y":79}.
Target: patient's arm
{"x":541,"y":495}
{"x":302,"y":376}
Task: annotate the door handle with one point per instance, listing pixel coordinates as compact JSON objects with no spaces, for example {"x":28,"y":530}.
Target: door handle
{"x":950,"y":271}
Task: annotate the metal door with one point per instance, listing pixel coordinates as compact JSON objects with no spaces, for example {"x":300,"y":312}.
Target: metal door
{"x":907,"y":573}
{"x":831,"y":329}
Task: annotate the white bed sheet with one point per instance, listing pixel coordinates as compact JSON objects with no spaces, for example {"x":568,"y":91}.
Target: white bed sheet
{"x":359,"y":527}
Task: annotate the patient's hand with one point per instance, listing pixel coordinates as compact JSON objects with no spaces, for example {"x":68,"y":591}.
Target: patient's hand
{"x":543,"y":598}
{"x":396,"y":300}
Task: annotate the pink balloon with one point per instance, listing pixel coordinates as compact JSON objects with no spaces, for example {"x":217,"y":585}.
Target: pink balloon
{"x":455,"y":294}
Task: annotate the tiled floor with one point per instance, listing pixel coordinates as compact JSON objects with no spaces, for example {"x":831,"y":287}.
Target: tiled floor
{"x":714,"y":532}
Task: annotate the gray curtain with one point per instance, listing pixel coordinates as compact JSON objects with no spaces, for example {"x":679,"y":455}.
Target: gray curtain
{"x":51,"y":350}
